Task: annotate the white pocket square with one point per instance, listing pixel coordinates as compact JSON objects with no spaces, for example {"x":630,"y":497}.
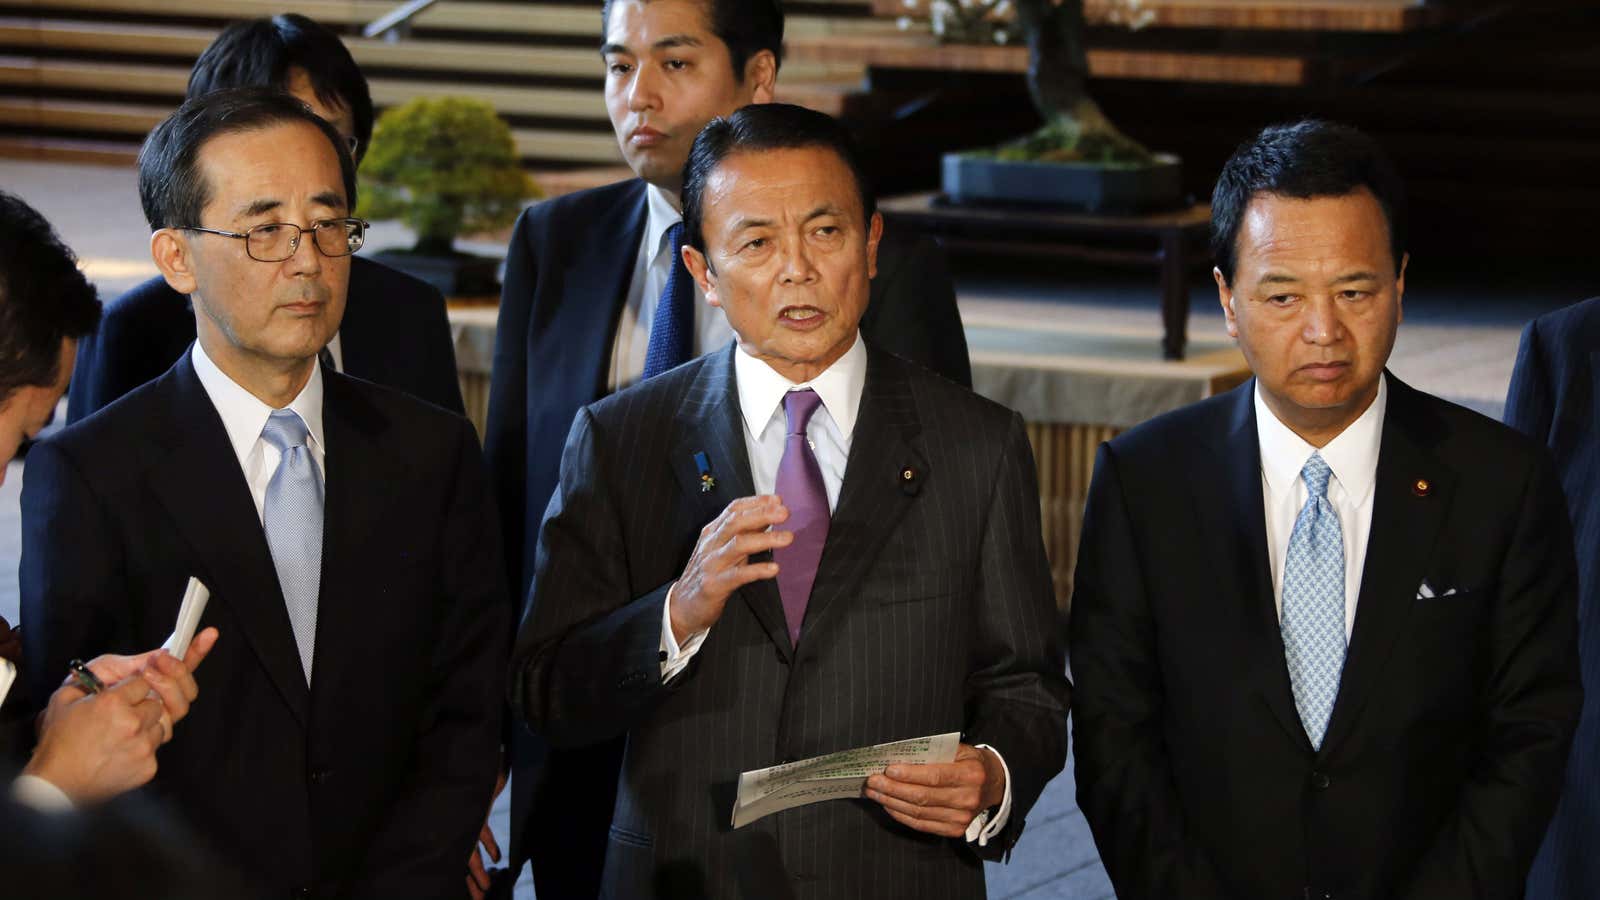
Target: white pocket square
{"x":1425,"y":591}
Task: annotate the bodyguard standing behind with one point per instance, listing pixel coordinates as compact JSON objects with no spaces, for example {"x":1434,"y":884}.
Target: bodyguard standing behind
{"x":1322,"y":631}
{"x":349,"y":742}
{"x":906,"y":591}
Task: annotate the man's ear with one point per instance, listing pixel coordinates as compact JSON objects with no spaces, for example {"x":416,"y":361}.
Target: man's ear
{"x":700,"y":270}
{"x":761,"y":74}
{"x":1225,"y":297}
{"x":173,"y":256}
{"x":874,"y":236}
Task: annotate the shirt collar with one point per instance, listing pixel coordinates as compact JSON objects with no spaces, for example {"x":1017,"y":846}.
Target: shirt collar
{"x":761,"y":388}
{"x":244,"y":415}
{"x":661,"y":215}
{"x":1352,"y":455}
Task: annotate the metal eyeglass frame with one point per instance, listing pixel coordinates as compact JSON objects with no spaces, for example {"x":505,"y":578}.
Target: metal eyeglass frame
{"x":360,"y":236}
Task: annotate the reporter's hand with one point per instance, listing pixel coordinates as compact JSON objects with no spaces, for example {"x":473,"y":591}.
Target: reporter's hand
{"x":943,"y":798}
{"x":170,"y":678}
{"x":721,"y":562}
{"x":478,"y":877}
{"x":96,"y":747}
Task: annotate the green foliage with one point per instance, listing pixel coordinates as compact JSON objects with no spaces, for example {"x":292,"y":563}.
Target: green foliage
{"x":1068,"y":139}
{"x":444,"y":167}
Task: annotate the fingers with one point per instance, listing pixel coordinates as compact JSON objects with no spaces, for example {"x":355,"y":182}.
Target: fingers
{"x":200,"y":647}
{"x":943,"y":829}
{"x":173,"y":684}
{"x":486,"y":838}
{"x":746,"y":514}
{"x":477,"y":876}
{"x":960,"y":772}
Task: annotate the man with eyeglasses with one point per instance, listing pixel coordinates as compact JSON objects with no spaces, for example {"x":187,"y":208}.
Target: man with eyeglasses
{"x":345,"y":531}
{"x":395,"y":331}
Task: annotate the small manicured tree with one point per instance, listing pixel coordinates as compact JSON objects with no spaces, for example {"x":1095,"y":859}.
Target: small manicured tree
{"x":444,"y":166}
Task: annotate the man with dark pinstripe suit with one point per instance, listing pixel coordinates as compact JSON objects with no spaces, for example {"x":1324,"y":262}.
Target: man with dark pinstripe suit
{"x":797,"y":545}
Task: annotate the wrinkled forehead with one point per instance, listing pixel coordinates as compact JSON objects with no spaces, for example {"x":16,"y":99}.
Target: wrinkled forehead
{"x":787,"y":179}
{"x":284,"y":161}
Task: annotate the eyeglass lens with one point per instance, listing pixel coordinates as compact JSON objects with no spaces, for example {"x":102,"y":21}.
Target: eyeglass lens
{"x":278,"y":242}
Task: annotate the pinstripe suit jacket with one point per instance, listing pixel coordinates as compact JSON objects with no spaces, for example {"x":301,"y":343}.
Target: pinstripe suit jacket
{"x":1555,"y":399}
{"x":931,"y":612}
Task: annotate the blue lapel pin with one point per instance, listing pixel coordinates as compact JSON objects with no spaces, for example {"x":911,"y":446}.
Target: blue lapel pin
{"x":707,"y":480}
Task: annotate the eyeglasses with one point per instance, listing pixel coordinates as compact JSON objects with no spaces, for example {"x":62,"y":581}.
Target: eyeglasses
{"x":354,"y":143}
{"x":278,"y":241}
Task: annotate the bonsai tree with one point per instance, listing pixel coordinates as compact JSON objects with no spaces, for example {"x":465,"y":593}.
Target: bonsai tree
{"x":1074,"y":127}
{"x":444,"y":166}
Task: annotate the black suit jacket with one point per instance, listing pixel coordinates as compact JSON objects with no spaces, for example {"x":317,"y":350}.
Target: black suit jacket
{"x":567,"y":276}
{"x":374,"y":781}
{"x":1555,"y":399}
{"x":1443,"y":757}
{"x":395,"y":333}
{"x":931,"y":613}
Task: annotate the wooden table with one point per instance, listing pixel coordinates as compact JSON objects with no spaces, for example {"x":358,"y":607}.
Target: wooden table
{"x":1165,"y":240}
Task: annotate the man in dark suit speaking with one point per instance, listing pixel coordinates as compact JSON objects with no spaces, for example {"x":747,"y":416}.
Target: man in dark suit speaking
{"x":349,"y":741}
{"x":394,"y":331}
{"x":596,"y":298}
{"x":1322,"y":631}
{"x":906,"y":592}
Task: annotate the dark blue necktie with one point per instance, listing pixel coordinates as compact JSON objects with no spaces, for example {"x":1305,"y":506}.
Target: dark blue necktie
{"x":672,"y":329}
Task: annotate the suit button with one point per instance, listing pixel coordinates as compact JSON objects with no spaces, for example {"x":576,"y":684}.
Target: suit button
{"x":302,"y":893}
{"x":318,"y":776}
{"x":1320,"y":781}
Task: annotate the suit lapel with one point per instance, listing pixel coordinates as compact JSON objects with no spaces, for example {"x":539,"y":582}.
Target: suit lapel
{"x":708,"y":423}
{"x":1406,"y":517}
{"x":585,"y":327}
{"x":199,"y":481}
{"x":360,"y":477}
{"x":874,"y":495}
{"x":367,"y":326}
{"x":1232,"y":515}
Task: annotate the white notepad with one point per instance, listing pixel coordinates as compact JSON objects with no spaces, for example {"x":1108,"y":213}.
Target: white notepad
{"x":194,"y":604}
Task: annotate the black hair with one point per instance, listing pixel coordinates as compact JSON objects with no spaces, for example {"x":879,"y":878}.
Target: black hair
{"x":172,"y":188}
{"x":260,"y":53}
{"x":747,"y":27}
{"x":44,"y":298}
{"x":758,"y":127}
{"x":1302,"y":160}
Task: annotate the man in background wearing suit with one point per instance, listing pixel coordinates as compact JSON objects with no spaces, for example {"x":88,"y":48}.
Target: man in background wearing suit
{"x":595,"y":298}
{"x":906,"y":592}
{"x":90,"y":748}
{"x":344,"y":529}
{"x":394,"y":331}
{"x":1322,"y":632}
{"x":1555,"y":399}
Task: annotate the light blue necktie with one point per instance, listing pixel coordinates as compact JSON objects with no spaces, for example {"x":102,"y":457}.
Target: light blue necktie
{"x":292,"y":517}
{"x":672,"y":328}
{"x":1313,"y":603}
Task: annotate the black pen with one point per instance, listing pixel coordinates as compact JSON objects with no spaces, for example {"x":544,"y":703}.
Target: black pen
{"x":85,"y":678}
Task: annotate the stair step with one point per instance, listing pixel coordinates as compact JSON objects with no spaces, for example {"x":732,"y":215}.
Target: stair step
{"x":1369,"y":16}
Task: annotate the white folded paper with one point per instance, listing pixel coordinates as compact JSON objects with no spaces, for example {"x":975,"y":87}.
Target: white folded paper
{"x":189,"y":612}
{"x":833,"y":776}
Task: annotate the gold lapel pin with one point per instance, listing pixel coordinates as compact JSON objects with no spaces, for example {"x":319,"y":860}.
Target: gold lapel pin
{"x":1422,"y":487}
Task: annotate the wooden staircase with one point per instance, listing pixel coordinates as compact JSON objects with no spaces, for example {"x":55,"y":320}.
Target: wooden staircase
{"x":87,"y":79}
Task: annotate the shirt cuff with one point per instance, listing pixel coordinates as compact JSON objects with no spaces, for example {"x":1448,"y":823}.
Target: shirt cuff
{"x":983,"y":826}
{"x":674,"y":659}
{"x":41,"y":795}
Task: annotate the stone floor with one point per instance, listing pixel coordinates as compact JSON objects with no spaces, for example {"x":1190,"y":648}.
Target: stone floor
{"x":1459,"y":342}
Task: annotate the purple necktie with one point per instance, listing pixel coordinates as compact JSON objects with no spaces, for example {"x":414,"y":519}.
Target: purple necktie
{"x":802,"y":491}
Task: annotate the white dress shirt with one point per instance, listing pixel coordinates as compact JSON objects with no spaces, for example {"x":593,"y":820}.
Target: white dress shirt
{"x":243,"y":416}
{"x":1353,"y":459}
{"x":766,"y":427}
{"x":651,"y":268}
